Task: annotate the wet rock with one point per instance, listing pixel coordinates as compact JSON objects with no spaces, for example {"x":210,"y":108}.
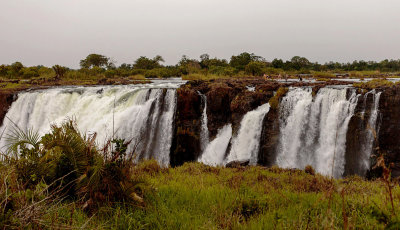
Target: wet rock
{"x":186,"y":141}
{"x":389,"y":128}
{"x":6,"y":99}
{"x":269,"y":139}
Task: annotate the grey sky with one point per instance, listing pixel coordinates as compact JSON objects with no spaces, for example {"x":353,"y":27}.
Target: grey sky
{"x":64,"y":31}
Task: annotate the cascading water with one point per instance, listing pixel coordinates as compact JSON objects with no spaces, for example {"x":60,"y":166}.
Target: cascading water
{"x":246,"y":144}
{"x":313,"y":131}
{"x":215,"y":152}
{"x":366,"y":148}
{"x":204,"y":134}
{"x":141,"y":113}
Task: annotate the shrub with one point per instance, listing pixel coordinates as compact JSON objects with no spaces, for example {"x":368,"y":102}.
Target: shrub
{"x":69,"y":160}
{"x":274,"y":101}
{"x":309,"y":169}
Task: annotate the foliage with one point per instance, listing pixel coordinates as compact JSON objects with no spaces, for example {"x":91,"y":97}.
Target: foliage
{"x":207,"y":62}
{"x":60,"y":70}
{"x":147,"y":63}
{"x":255,"y":68}
{"x":96,"y":67}
{"x":196,"y":196}
{"x":94,"y":60}
{"x":374,"y":83}
{"x":242,"y":60}
{"x":274,"y":101}
{"x":69,"y":160}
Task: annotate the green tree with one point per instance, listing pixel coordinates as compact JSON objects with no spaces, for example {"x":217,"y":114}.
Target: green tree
{"x":147,"y":63}
{"x":94,"y":60}
{"x":16,"y":69}
{"x":188,"y":65}
{"x":240,"y":61}
{"x":255,"y":68}
{"x":298,"y":63}
{"x":29,"y":72}
{"x":59,"y":70}
{"x":3,"y":70}
{"x":206,"y":62}
{"x":278,"y":63}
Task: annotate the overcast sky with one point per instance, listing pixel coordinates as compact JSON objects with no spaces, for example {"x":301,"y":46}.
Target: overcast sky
{"x":62,"y":32}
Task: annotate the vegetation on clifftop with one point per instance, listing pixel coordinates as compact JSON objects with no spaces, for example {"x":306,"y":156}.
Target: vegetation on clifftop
{"x":96,"y":66}
{"x":374,"y":83}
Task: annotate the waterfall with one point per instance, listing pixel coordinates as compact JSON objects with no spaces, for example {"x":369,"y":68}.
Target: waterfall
{"x":141,"y":113}
{"x":215,"y":152}
{"x":246,"y":144}
{"x":204,"y":134}
{"x":313,"y":130}
{"x":370,"y":130}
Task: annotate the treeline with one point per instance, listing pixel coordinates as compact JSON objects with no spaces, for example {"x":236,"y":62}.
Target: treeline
{"x":96,"y":65}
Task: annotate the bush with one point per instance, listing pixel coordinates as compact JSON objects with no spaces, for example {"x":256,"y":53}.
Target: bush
{"x":30,"y":72}
{"x":255,"y":68}
{"x":68,"y":160}
{"x":274,"y":101}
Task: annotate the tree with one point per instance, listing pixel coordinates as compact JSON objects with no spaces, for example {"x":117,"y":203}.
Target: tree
{"x":277,"y":63}
{"x":206,"y":62}
{"x":240,"y":61}
{"x":147,"y":63}
{"x":94,"y":60}
{"x":298,"y":63}
{"x":60,"y":71}
{"x":255,"y":68}
{"x":125,"y":66}
{"x":188,"y":65}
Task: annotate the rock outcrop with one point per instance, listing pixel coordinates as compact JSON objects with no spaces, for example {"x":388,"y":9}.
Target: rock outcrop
{"x":389,"y":128}
{"x":6,"y":99}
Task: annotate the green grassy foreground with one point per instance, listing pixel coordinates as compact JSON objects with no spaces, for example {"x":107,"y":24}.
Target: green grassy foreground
{"x":196,"y":196}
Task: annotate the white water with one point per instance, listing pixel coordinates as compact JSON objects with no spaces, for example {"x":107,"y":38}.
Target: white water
{"x":204,"y":134}
{"x":246,"y":144}
{"x":313,"y":131}
{"x":370,"y":136}
{"x":215,"y":152}
{"x":143,"y":113}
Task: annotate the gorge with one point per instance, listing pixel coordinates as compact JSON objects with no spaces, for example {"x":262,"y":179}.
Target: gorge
{"x":333,"y":127}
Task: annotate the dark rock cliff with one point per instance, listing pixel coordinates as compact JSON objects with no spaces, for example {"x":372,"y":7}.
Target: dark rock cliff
{"x":6,"y":99}
{"x":186,"y":140}
{"x":356,"y":136}
{"x":389,"y":128}
{"x":227,"y":102}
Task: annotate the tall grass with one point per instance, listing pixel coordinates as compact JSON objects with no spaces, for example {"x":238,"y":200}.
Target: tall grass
{"x":70,"y":183}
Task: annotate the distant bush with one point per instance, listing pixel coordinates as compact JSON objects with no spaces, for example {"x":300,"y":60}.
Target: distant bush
{"x":255,"y":68}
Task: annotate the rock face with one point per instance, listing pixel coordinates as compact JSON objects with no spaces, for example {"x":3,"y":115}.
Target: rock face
{"x":269,"y":138}
{"x":389,"y":129}
{"x":186,"y":140}
{"x":227,"y":102}
{"x":356,"y":136}
{"x":6,"y":99}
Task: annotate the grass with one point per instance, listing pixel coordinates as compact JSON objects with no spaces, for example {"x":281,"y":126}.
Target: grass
{"x":374,"y":83}
{"x":204,"y":77}
{"x":196,"y":196}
